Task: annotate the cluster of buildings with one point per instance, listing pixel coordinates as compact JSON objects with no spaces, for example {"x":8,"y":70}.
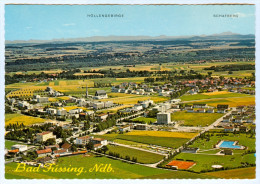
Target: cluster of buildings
{"x":204,"y":108}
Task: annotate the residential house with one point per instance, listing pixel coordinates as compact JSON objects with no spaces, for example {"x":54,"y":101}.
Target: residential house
{"x":229,"y":129}
{"x":82,"y":140}
{"x":44,"y":152}
{"x":125,"y":128}
{"x":44,"y":136}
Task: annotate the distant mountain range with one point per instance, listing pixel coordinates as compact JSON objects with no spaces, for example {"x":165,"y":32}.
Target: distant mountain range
{"x":224,"y":35}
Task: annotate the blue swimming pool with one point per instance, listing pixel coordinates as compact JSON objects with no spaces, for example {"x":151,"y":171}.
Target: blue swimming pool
{"x":229,"y":144}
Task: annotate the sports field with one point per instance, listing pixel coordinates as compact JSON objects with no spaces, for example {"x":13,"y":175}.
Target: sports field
{"x":195,"y":119}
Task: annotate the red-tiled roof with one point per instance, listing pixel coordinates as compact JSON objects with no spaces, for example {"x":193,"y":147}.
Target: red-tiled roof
{"x":84,"y":137}
{"x":44,"y":133}
{"x":44,"y":151}
{"x":60,"y":151}
{"x":97,"y":145}
{"x":66,"y":146}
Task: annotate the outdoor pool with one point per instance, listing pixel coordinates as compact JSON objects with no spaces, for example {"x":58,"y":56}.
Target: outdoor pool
{"x":229,"y":144}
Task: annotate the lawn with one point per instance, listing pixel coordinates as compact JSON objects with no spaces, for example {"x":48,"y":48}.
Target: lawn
{"x":142,"y":156}
{"x":20,"y":118}
{"x":121,"y":169}
{"x":210,"y":96}
{"x":232,"y":102}
{"x":241,"y":173}
{"x":9,"y":144}
{"x":145,"y":120}
{"x":204,"y":162}
{"x":162,"y":134}
{"x":195,"y":119}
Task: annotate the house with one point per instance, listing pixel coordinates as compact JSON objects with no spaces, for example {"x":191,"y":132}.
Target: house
{"x":190,"y":110}
{"x":201,"y":110}
{"x":53,"y":147}
{"x":229,"y":129}
{"x":221,"y":110}
{"x":175,"y":106}
{"x":188,"y":107}
{"x":241,"y":109}
{"x":243,"y":129}
{"x":108,"y":104}
{"x":42,"y":99}
{"x":44,"y":152}
{"x":44,"y":136}
{"x":190,"y":150}
{"x":58,"y":104}
{"x":125,"y":128}
{"x":199,"y":105}
{"x":141,"y":127}
{"x":102,"y":117}
{"x":45,"y":160}
{"x":210,"y":111}
{"x":59,"y":152}
{"x":137,"y":107}
{"x":147,"y":103}
{"x":163,"y":118}
{"x":61,"y":112}
{"x":75,"y":111}
{"x":82,"y":140}
{"x":51,"y":111}
{"x":101,"y":141}
{"x":238,"y":120}
{"x":221,"y":106}
{"x":97,"y":146}
{"x":20,"y":147}
{"x":227,"y":152}
{"x":100,"y":94}
{"x":98,"y":105}
{"x":226,"y":119}
{"x":235,"y":113}
{"x":66,"y":146}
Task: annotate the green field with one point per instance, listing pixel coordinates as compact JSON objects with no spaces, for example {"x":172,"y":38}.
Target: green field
{"x":203,"y":96}
{"x":142,"y":156}
{"x":121,"y":170}
{"x":172,"y":142}
{"x":195,"y":119}
{"x":242,"y":173}
{"x":9,"y":144}
{"x":145,"y":120}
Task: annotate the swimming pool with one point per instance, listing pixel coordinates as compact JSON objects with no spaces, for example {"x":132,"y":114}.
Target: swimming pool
{"x":229,"y":144}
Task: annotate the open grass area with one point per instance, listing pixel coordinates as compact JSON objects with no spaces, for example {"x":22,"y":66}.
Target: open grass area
{"x":205,"y":162}
{"x":195,"y":119}
{"x":142,"y":156}
{"x":20,"y":118}
{"x":9,"y":144}
{"x":210,"y":96}
{"x":241,"y":173}
{"x":121,"y":169}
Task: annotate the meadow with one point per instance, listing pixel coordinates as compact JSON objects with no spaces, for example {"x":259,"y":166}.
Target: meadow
{"x":121,"y":169}
{"x":195,"y":119}
{"x":145,"y":120}
{"x":241,"y":173}
{"x":20,"y":118}
{"x":142,"y":156}
{"x":9,"y":144}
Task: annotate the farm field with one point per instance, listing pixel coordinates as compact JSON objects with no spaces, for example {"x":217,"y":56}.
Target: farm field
{"x":195,"y":119}
{"x":172,"y":142}
{"x":26,"y":120}
{"x":142,"y":156}
{"x":145,"y":120}
{"x":122,"y":170}
{"x":232,"y":102}
{"x":212,"y":95}
{"x":134,"y":99}
{"x":68,"y":108}
{"x":162,"y":134}
{"x":242,"y":173}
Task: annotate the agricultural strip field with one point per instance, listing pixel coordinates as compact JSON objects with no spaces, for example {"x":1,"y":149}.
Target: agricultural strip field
{"x":195,"y":119}
{"x":145,"y":120}
{"x":160,"y":138}
{"x":26,"y":120}
{"x":142,"y":156}
{"x":241,"y":173}
{"x":122,"y":170}
{"x":212,"y":95}
{"x":134,"y":99}
{"x":232,"y":102}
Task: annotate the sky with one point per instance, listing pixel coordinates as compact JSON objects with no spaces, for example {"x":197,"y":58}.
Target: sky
{"x":46,"y":22}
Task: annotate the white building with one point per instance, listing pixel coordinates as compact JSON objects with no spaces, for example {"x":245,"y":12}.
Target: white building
{"x":146,"y":103}
{"x":20,"y":147}
{"x":51,"y":111}
{"x":82,"y":140}
{"x":61,"y":112}
{"x":44,"y":136}
{"x":75,"y":111}
{"x":98,"y":105}
{"x":163,"y":118}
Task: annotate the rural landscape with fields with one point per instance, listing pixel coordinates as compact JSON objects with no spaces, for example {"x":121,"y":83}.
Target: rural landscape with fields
{"x":131,"y":107}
